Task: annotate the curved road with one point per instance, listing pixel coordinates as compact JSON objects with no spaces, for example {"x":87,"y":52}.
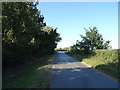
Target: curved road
{"x":69,"y":73}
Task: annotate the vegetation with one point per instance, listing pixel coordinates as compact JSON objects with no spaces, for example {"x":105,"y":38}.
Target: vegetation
{"x":25,"y":34}
{"x":103,"y":60}
{"x":66,"y":49}
{"x":95,"y":51}
{"x":93,"y":40}
{"x":35,"y":74}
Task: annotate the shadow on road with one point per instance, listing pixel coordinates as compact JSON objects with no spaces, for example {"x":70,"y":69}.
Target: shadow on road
{"x":67,"y":72}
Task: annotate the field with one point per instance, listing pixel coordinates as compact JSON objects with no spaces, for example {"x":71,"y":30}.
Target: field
{"x":35,"y":74}
{"x":104,"y":60}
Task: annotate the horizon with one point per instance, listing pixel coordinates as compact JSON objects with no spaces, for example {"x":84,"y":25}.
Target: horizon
{"x":72,"y":17}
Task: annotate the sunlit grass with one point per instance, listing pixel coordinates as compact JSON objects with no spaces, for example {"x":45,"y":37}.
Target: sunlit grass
{"x":35,"y":75}
{"x":45,"y":67}
{"x":93,"y":62}
{"x":103,"y":60}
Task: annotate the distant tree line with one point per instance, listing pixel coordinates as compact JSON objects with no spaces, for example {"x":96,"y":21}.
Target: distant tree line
{"x":91,"y":41}
{"x":63,"y":49}
{"x":24,"y":33}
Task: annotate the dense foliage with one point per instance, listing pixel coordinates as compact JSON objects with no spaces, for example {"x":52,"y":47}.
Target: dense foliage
{"x":24,"y":33}
{"x":93,"y":40}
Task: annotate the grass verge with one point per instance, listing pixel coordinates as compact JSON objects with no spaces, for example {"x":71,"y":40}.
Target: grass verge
{"x":32,"y":75}
{"x":104,"y":63}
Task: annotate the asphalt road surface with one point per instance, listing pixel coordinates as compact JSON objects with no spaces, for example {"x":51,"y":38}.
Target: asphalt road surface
{"x":70,"y":73}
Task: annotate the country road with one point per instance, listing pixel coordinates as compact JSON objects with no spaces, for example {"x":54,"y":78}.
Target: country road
{"x":70,"y":73}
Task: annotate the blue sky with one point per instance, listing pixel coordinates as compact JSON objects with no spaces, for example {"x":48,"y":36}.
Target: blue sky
{"x":72,"y":17}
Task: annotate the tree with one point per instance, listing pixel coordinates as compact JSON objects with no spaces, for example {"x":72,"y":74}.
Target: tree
{"x":92,"y":40}
{"x":54,"y":38}
{"x":24,"y":33}
{"x":74,"y":49}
